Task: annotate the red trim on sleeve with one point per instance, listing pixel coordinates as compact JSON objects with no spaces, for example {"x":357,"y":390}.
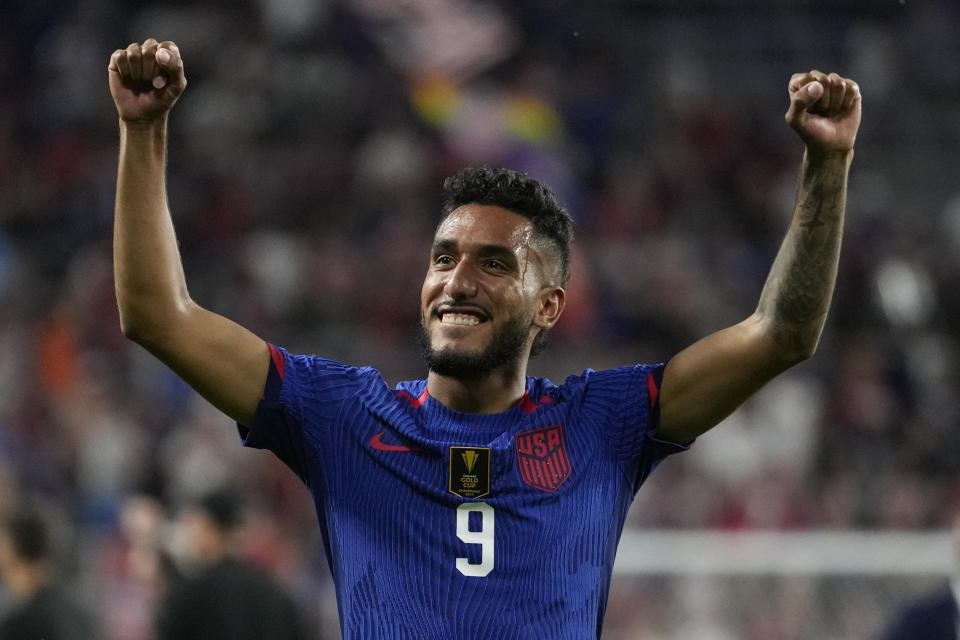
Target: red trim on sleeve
{"x":652,"y":390}
{"x":277,"y":358}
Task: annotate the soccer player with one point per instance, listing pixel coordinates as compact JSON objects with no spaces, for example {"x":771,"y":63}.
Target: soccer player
{"x":478,"y":503}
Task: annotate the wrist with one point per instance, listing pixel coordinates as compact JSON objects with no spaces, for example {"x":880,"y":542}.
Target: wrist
{"x":147,"y":139}
{"x":156,"y":125}
{"x":813,"y":157}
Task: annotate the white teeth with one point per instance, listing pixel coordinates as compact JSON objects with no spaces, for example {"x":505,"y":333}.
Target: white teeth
{"x":459,"y":318}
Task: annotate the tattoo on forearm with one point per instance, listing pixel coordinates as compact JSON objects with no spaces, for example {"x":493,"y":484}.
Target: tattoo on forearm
{"x":824,"y":198}
{"x":815,"y":220}
{"x":801,"y":281}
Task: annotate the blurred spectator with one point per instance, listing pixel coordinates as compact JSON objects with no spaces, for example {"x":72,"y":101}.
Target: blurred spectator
{"x":936,"y":615}
{"x":134,"y":570}
{"x":42,"y":609}
{"x":223,"y":596}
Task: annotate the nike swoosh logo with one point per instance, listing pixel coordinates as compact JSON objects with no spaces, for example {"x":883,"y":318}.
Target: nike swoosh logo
{"x":377,"y":443}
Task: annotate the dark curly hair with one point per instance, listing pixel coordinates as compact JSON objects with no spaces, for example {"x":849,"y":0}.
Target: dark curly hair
{"x":517,"y":192}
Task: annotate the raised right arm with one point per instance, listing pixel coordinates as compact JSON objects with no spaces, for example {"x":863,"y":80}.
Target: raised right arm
{"x":223,"y":361}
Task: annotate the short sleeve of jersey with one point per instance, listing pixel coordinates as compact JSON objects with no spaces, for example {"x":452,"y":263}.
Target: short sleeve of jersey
{"x":628,"y":400}
{"x":302,"y":398}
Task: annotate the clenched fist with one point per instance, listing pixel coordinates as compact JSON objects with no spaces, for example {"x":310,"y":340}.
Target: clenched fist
{"x":824,"y":111}
{"x":146,"y":80}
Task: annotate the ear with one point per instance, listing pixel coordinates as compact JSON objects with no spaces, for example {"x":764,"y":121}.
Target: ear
{"x":552,"y":301}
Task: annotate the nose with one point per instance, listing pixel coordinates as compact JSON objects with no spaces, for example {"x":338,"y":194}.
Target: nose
{"x":460,"y":282}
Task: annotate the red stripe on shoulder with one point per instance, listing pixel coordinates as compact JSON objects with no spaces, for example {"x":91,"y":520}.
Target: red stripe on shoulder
{"x":652,"y":390}
{"x":416,"y":403}
{"x":528,"y":405}
{"x":277,"y":358}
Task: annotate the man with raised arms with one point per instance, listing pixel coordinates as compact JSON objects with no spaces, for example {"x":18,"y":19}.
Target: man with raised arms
{"x":479,"y":502}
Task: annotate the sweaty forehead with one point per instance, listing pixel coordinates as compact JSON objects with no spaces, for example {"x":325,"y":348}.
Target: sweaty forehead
{"x":486,"y":225}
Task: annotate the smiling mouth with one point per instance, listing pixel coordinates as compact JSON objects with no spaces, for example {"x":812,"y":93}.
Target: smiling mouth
{"x":459,"y":319}
{"x":461,"y":315}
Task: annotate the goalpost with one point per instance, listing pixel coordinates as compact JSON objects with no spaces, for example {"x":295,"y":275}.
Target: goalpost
{"x":794,"y":553}
{"x":746,"y":585}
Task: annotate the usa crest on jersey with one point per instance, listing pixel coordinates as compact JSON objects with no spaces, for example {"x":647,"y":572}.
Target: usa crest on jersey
{"x":542,"y":458}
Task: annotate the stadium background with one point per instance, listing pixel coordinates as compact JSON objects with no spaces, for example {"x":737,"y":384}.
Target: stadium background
{"x":305,"y":164}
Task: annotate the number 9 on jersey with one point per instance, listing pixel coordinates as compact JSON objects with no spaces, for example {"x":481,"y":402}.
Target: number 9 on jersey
{"x":483,"y":537}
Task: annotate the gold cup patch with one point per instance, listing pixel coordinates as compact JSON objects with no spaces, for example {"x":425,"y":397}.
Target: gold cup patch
{"x":470,"y":471}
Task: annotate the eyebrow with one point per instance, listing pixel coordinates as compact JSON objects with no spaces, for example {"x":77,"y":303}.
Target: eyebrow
{"x":484,"y":250}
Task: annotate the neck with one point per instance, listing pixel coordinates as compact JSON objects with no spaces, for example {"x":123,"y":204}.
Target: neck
{"x":493,"y":393}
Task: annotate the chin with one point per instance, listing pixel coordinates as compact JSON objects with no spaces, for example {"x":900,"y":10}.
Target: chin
{"x":449,"y":353}
{"x":465,"y":339}
{"x":449,"y":349}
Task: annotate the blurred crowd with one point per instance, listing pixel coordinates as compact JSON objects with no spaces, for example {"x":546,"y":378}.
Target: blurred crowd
{"x":305,"y":165}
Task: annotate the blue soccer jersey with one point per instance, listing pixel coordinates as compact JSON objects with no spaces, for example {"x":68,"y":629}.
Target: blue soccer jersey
{"x":442,"y":525}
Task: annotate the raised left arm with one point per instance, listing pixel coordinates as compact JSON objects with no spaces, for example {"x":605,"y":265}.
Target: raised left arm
{"x":709,"y":379}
